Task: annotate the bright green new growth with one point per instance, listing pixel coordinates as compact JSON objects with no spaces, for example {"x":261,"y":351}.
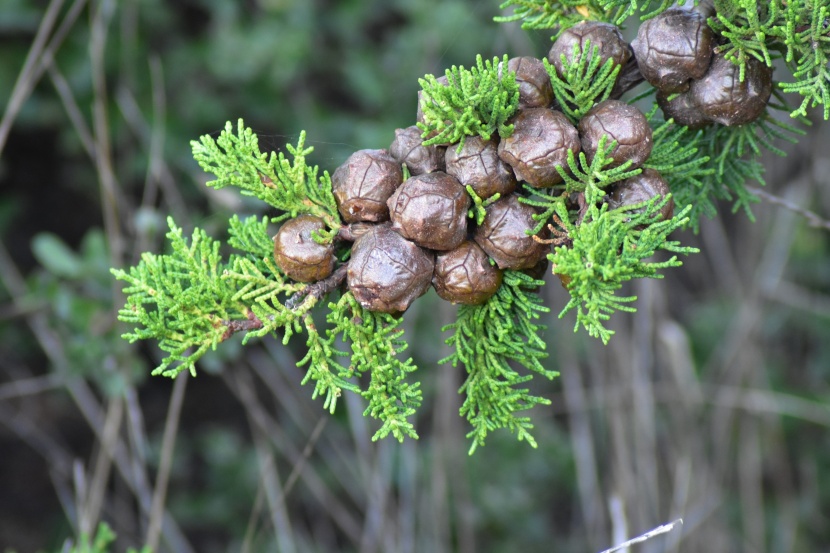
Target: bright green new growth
{"x":558,"y":15}
{"x":593,"y":178}
{"x":584,"y":82}
{"x":191,"y":299}
{"x":474,"y":102}
{"x":291,"y":187}
{"x":375,"y":340}
{"x":479,"y":208}
{"x":486,"y":339}
{"x":181,"y":300}
{"x":608,"y":249}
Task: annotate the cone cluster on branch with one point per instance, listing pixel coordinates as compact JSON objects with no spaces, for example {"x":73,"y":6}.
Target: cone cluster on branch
{"x":416,"y":202}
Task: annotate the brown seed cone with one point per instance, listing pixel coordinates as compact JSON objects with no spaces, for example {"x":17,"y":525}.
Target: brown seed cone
{"x":641,"y":188}
{"x":503,"y":235}
{"x":682,"y":109}
{"x":298,"y":255}
{"x":621,"y":122}
{"x":465,"y":275}
{"x":408,"y":148}
{"x":387,"y":272}
{"x":539,"y":144}
{"x":673,"y":48}
{"x":431,"y":210}
{"x":604,"y":35}
{"x":364,"y":183}
{"x":478,"y":165}
{"x":723,"y":98}
{"x":535,"y":89}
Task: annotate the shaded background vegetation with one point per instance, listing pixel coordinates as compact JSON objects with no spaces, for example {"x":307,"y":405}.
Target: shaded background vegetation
{"x":711,"y":403}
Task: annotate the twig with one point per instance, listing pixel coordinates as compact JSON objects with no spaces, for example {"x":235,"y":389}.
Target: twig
{"x":90,"y":511}
{"x":73,"y":111}
{"x":583,"y":208}
{"x":286,"y":488}
{"x":29,"y":386}
{"x":107,"y":181}
{"x":648,"y":535}
{"x":142,"y":130}
{"x":342,"y":515}
{"x":30,"y":74}
{"x":251,"y":323}
{"x":25,"y":81}
{"x":156,"y":147}
{"x":319,"y":288}
{"x":168,"y":441}
{"x":813,"y":219}
{"x":307,"y":451}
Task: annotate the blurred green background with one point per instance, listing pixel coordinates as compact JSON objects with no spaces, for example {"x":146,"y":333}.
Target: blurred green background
{"x":710,"y":404}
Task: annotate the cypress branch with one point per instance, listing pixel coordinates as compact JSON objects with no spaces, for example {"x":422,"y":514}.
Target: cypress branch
{"x":734,"y":160}
{"x":486,"y":339}
{"x":180,"y":300}
{"x":192,"y":299}
{"x":476,"y":101}
{"x":558,"y":15}
{"x":608,"y":248}
{"x":375,"y":340}
{"x":807,"y":38}
{"x":584,"y":83}
{"x":292,"y":187}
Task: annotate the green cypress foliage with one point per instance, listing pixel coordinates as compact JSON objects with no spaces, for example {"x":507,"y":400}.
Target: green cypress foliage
{"x":764,"y":30}
{"x":486,"y":339}
{"x":596,"y":249}
{"x":191,"y":299}
{"x":733,"y":159}
{"x":808,"y":50}
{"x":292,"y":187}
{"x":586,"y":81}
{"x":558,"y":15}
{"x":609,"y":248}
{"x":478,"y":210}
{"x":375,"y":340}
{"x":474,"y":102}
{"x":678,"y":156}
{"x":181,"y":300}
